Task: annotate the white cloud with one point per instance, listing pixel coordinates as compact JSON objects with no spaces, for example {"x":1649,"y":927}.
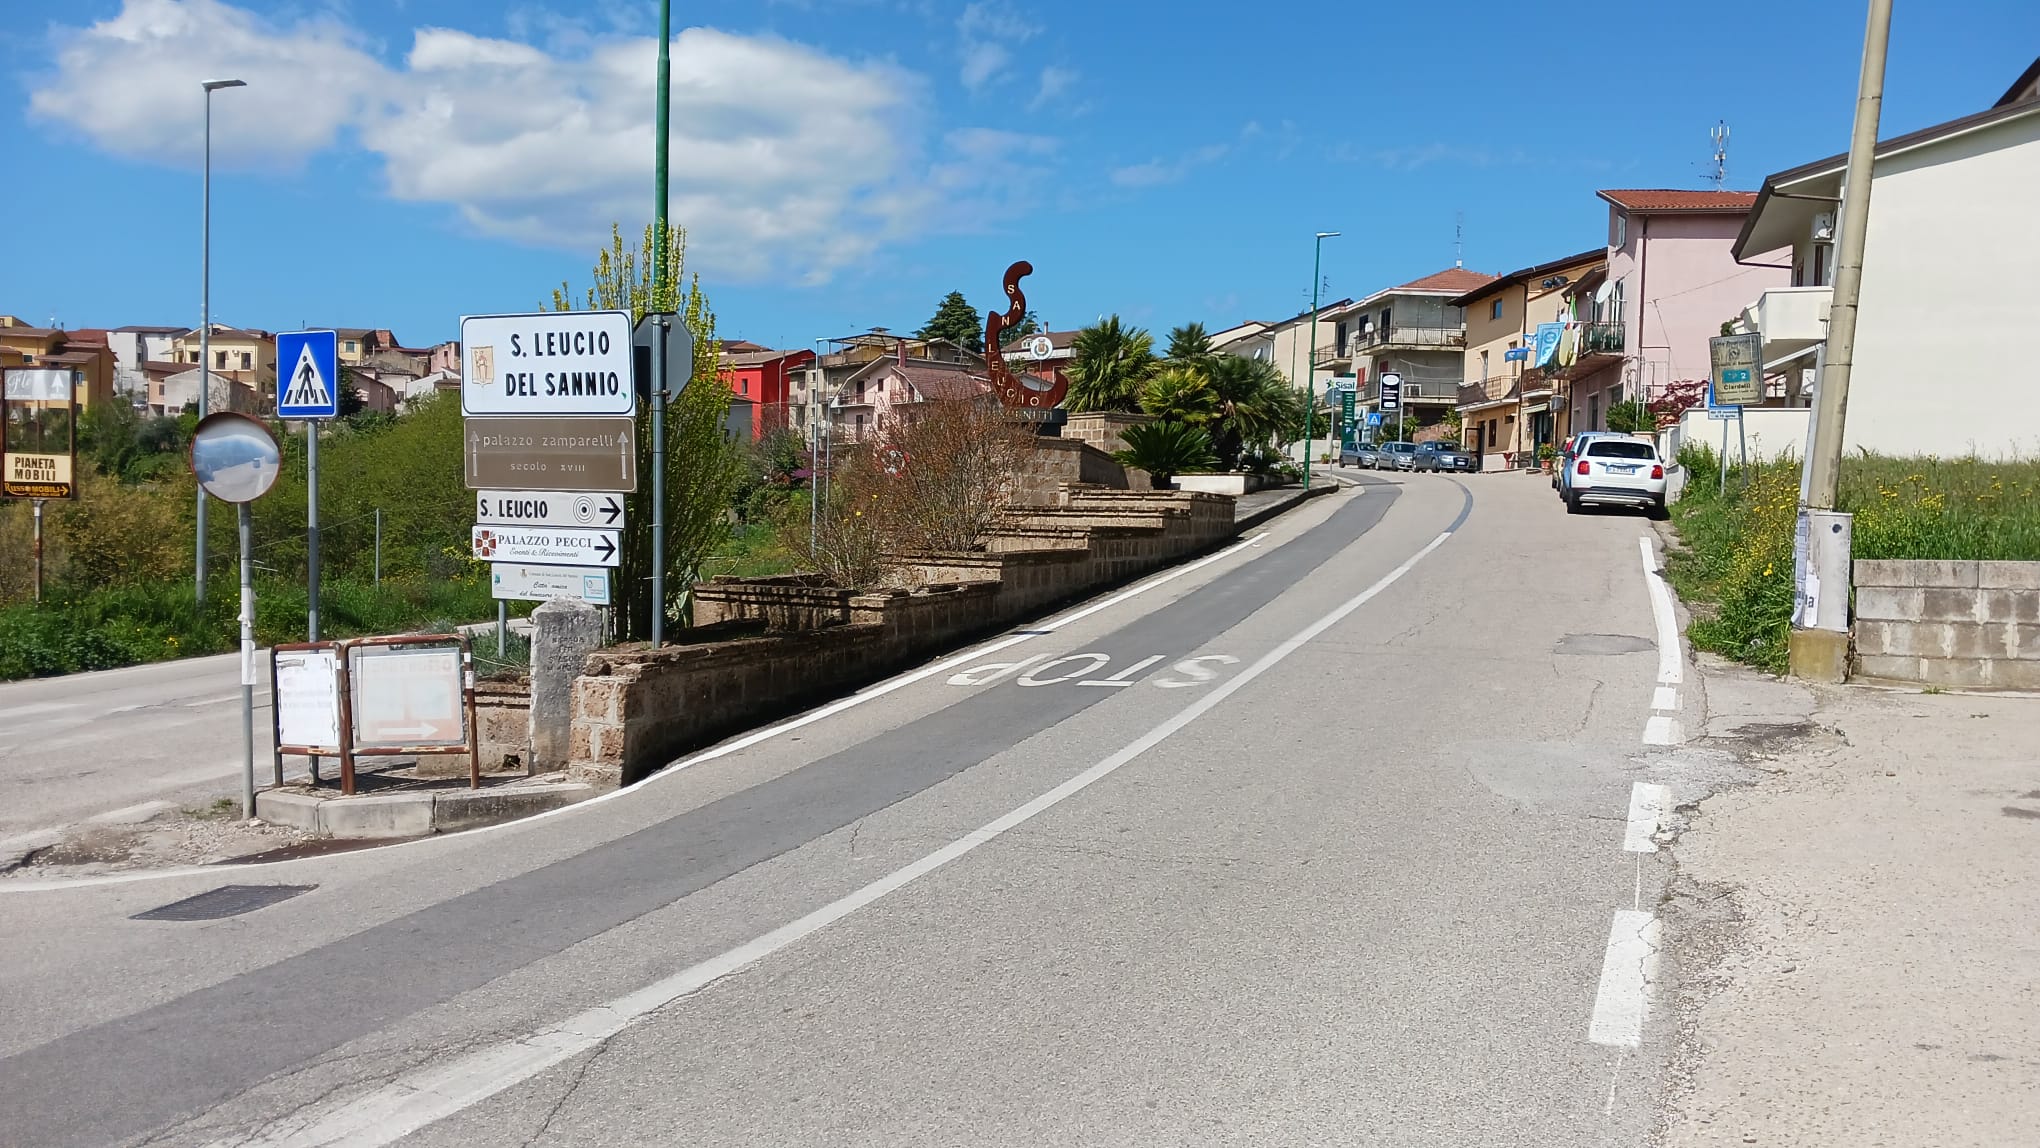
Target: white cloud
{"x":1156,"y":172}
{"x":985,"y":31}
{"x":131,"y":83}
{"x":785,"y":160}
{"x":1054,"y":82}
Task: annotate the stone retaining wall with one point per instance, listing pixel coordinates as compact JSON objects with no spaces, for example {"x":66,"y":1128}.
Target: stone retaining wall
{"x":635,"y":710}
{"x":1963,"y":624}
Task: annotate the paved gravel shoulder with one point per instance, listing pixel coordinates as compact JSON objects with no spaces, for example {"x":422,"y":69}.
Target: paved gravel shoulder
{"x":1854,"y":935}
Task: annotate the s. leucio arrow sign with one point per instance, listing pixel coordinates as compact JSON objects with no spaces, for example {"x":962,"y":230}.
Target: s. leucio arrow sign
{"x":560,"y":546}
{"x":548,"y":508}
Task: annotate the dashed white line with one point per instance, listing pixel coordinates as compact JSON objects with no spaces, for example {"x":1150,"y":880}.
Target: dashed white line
{"x":1648,"y":806}
{"x":392,"y":1111}
{"x":1628,"y":973}
{"x":1671,"y":666}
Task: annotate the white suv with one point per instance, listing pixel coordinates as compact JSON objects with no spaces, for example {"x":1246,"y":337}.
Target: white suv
{"x":1617,"y":472}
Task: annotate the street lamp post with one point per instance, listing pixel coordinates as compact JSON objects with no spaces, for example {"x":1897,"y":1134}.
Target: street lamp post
{"x":205,"y":308}
{"x":1310,"y":355}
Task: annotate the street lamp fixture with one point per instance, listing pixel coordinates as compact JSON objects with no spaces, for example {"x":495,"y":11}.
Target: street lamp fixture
{"x":1310,"y":357}
{"x":205,"y":309}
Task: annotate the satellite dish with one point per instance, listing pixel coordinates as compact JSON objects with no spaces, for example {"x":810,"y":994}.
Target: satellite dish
{"x":1606,"y":291}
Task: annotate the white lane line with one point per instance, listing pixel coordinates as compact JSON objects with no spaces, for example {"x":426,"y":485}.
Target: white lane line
{"x":1665,"y":698}
{"x":1671,"y":665}
{"x":395,"y":1110}
{"x":724,"y":750}
{"x":1662,"y":729}
{"x":1628,"y":974}
{"x":1648,"y":806}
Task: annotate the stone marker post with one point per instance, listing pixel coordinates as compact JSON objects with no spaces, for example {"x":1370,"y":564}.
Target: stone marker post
{"x":564,"y":633}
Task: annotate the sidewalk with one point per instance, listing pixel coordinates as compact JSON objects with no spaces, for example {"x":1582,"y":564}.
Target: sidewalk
{"x":1857,"y":936}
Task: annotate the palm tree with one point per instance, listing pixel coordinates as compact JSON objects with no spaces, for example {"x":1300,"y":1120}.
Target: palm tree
{"x":1165,"y":450}
{"x":1179,"y":394}
{"x":1254,"y":404}
{"x":1109,"y":362}
{"x":1189,"y":345}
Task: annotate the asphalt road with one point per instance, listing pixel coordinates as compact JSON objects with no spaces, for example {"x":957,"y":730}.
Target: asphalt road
{"x":1321,"y":841}
{"x":84,"y":744}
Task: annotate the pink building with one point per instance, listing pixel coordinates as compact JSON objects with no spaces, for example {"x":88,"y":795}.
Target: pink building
{"x":445,"y":357}
{"x":1672,"y":280}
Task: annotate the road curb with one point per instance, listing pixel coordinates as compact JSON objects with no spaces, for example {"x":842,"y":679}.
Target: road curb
{"x":1257,"y":517}
{"x":422,"y":814}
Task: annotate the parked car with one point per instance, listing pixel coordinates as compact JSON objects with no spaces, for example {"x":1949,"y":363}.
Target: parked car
{"x":1617,"y":471}
{"x":1395,"y":456}
{"x":1442,"y":456}
{"x":1359,"y":454}
{"x":1568,"y":457}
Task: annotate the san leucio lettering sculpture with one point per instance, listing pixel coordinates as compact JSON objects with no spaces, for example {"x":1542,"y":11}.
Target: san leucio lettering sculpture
{"x":1022,"y":391}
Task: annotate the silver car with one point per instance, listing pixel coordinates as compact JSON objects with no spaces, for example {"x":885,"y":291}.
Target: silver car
{"x":1396,"y":456}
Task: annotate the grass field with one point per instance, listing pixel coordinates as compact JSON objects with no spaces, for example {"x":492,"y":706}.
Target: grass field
{"x":1735,"y":567}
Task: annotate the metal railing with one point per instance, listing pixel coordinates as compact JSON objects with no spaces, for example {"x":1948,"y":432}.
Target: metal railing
{"x":1603,"y":338}
{"x":1396,"y":335}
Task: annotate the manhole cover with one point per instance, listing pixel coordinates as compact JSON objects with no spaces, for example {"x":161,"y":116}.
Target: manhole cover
{"x":1602,"y":644}
{"x":225,"y":901}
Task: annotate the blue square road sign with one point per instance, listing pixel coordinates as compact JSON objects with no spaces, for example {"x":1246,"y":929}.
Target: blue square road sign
{"x":307,"y":374}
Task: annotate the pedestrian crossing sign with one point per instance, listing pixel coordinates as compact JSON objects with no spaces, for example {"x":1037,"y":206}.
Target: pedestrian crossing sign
{"x":307,"y":374}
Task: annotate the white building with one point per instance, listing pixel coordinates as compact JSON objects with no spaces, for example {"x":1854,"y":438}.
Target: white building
{"x":133,"y":346}
{"x":1950,"y":289}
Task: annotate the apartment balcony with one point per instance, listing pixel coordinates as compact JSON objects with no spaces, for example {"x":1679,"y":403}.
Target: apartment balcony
{"x":1603,"y":339}
{"x":1396,"y":337}
{"x":1793,"y":320}
{"x":1334,"y":357}
{"x":1421,"y":393}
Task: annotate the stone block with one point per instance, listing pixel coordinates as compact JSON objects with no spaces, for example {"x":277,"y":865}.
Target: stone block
{"x":2009,"y":576}
{"x":2022,"y":642}
{"x":457,"y":809}
{"x":293,"y":809}
{"x":387,"y":815}
{"x":564,"y":634}
{"x":1957,"y":673}
{"x":1889,"y":604}
{"x":2008,"y":606}
{"x":1887,"y":667}
{"x":2023,"y":674}
{"x":1877,"y":638}
{"x":1937,"y":605}
{"x":1819,"y":655}
{"x":1905,"y":573}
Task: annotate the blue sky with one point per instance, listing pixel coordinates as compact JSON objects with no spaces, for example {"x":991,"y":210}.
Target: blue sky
{"x":841,"y":164}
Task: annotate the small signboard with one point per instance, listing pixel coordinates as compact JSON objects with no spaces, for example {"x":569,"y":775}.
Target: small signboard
{"x":1391,"y":391}
{"x":549,"y":545}
{"x":524,"y":582}
{"x":38,"y":433}
{"x":552,"y":363}
{"x":679,"y":353}
{"x":1738,"y":374}
{"x":548,"y":508}
{"x":584,"y":455}
{"x":308,"y":378}
{"x":407,"y":695}
{"x":307,"y":694}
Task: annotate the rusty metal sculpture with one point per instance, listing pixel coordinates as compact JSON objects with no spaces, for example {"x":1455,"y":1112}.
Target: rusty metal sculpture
{"x":1027,"y":392}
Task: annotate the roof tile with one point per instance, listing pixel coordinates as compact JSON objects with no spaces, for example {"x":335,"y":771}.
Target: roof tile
{"x":1674,"y":200}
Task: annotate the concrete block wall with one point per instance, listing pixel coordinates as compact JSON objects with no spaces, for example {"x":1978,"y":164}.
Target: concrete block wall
{"x":1973,"y":625}
{"x":635,"y":710}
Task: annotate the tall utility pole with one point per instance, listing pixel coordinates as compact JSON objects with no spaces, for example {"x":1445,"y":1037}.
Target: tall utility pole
{"x":1823,"y":540}
{"x":1310,"y":356}
{"x":205,"y":308}
{"x":659,"y":324}
{"x":1831,"y":399}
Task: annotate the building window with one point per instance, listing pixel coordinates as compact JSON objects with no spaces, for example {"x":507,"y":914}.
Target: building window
{"x":219,"y":360}
{"x":1483,"y":366}
{"x":1494,"y":310}
{"x":1822,"y":265}
{"x":1621,"y":230}
{"x":247,"y":361}
{"x":352,"y":346}
{"x":1385,"y":316}
{"x":1339,"y":337}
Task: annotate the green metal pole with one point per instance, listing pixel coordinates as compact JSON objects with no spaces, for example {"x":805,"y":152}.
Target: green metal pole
{"x":659,"y":327}
{"x":659,"y":145}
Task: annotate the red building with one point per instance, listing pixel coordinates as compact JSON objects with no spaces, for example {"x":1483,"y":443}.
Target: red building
{"x":765,"y":378}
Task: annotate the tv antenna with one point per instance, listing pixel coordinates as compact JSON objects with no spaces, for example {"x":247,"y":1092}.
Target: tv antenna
{"x":1459,"y":239}
{"x":1720,"y":137}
